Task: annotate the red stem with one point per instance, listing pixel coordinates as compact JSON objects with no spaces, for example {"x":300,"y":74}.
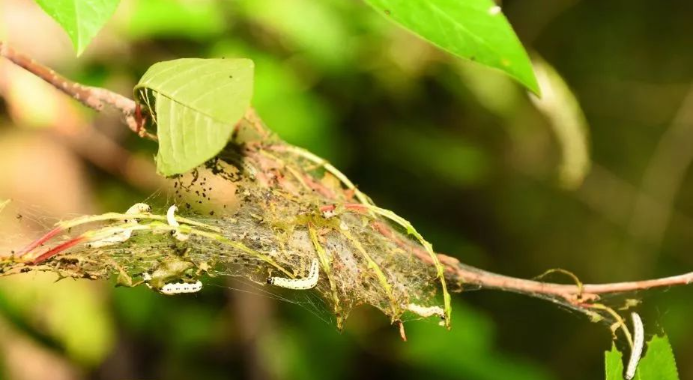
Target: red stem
{"x":39,"y":241}
{"x":57,"y":249}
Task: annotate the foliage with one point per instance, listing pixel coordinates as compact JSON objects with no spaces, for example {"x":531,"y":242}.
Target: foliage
{"x":475,"y":29}
{"x":613,"y":363}
{"x":195,"y":105}
{"x":472,"y":29}
{"x":658,"y":363}
{"x":81,"y":19}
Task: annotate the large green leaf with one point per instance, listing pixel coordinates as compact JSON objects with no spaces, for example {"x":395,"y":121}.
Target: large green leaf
{"x":472,"y":29}
{"x":81,"y":19}
{"x":196,"y":103}
{"x":613,"y":361}
{"x":659,"y":362}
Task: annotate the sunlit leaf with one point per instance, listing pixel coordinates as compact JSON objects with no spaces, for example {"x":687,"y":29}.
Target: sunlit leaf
{"x":298,"y":116}
{"x":196,"y":104}
{"x":81,"y":19}
{"x":472,"y":29}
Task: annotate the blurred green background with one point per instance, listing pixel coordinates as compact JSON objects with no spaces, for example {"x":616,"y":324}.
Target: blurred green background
{"x":459,"y":150}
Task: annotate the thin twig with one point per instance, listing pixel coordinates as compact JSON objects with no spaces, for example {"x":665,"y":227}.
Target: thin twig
{"x":456,"y":271}
{"x":92,"y":97}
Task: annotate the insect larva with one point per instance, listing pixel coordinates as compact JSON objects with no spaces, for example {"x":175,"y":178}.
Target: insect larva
{"x":181,"y":288}
{"x":427,"y":311}
{"x":298,"y":284}
{"x":171,"y":218}
{"x":638,"y":343}
{"x":123,"y":235}
{"x":137,"y":208}
{"x":174,"y":287}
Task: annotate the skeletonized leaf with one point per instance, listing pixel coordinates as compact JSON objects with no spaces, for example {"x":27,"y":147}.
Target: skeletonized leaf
{"x":81,"y":19}
{"x":472,"y":29}
{"x":196,"y":104}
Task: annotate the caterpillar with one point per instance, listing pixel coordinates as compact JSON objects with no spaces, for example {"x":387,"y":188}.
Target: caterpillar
{"x":171,"y":218}
{"x":429,"y":311}
{"x":181,"y":288}
{"x":638,"y":343}
{"x":124,"y":235}
{"x":298,"y":284}
{"x":174,"y":287}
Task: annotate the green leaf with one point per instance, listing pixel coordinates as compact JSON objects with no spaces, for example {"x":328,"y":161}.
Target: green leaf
{"x":659,"y":362}
{"x":472,"y":29}
{"x":613,"y":361}
{"x":81,"y":19}
{"x":196,"y":103}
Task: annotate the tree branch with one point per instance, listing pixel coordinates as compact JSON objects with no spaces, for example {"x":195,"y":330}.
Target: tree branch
{"x":578,"y":295}
{"x":575,"y":294}
{"x":92,"y":97}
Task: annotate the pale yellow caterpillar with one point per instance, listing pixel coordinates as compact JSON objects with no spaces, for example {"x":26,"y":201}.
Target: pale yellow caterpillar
{"x":171,"y":218}
{"x":427,"y":311}
{"x":174,"y":287}
{"x":298,"y":284}
{"x":123,"y":235}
